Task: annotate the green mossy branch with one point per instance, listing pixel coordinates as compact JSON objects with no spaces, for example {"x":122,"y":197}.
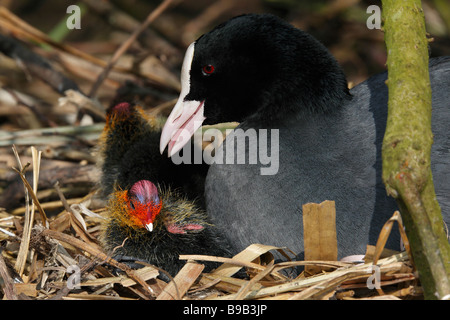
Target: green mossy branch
{"x":407,"y":143}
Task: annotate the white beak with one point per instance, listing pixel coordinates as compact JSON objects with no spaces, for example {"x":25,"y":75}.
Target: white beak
{"x":149,"y":227}
{"x":187,"y":115}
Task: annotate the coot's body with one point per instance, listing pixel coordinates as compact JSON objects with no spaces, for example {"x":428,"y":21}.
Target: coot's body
{"x":266,"y":74}
{"x":337,"y":157}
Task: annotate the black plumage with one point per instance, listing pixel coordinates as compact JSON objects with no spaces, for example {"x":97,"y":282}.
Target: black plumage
{"x":270,"y":75}
{"x":129,"y":152}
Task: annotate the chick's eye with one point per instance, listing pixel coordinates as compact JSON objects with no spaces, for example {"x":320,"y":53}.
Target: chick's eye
{"x":208,"y":69}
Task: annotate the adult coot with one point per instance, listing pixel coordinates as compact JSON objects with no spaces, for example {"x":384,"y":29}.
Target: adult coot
{"x":264,"y":73}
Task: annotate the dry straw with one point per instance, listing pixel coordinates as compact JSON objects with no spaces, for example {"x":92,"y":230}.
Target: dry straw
{"x":38,"y":251}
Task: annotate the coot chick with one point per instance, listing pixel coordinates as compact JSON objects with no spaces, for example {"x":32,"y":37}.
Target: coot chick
{"x":152,"y":224}
{"x":149,"y":219}
{"x":129,"y":152}
{"x":285,"y":88}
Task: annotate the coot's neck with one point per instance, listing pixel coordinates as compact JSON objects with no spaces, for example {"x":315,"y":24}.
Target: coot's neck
{"x":288,"y":112}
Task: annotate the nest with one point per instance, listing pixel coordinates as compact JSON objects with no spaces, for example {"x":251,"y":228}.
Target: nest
{"x":61,"y":258}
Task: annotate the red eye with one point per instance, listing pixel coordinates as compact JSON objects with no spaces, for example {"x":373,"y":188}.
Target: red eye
{"x":208,"y":69}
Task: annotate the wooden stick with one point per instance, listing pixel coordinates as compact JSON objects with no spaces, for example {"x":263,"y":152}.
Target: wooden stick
{"x":177,"y":288}
{"x":319,"y":233}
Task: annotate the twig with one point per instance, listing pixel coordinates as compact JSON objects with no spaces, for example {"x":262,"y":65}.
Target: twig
{"x":33,"y":196}
{"x":29,"y":212}
{"x":231,"y":261}
{"x":98,"y":254}
{"x":29,"y":216}
{"x":66,"y":290}
{"x":248,"y":286}
{"x":48,"y":135}
{"x":31,"y":107}
{"x":182,"y":282}
{"x":21,"y":29}
{"x":384,"y":234}
{"x":36,"y":65}
{"x":124,"y":47}
{"x":76,"y":221}
{"x":9,"y":290}
{"x":156,"y":42}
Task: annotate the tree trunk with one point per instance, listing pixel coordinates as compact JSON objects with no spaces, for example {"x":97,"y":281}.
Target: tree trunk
{"x":407,"y":144}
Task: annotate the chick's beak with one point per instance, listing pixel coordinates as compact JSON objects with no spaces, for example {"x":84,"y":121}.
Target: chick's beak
{"x":149,"y":227}
{"x":187,"y":115}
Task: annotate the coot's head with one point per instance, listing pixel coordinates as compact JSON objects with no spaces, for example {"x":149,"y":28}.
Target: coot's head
{"x":252,"y":68}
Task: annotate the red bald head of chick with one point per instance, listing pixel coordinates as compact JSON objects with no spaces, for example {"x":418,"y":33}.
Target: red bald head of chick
{"x":144,"y":203}
{"x":141,"y":205}
{"x":137,"y":207}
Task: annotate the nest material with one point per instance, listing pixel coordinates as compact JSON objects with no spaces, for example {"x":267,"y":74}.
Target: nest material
{"x":65,"y":261}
